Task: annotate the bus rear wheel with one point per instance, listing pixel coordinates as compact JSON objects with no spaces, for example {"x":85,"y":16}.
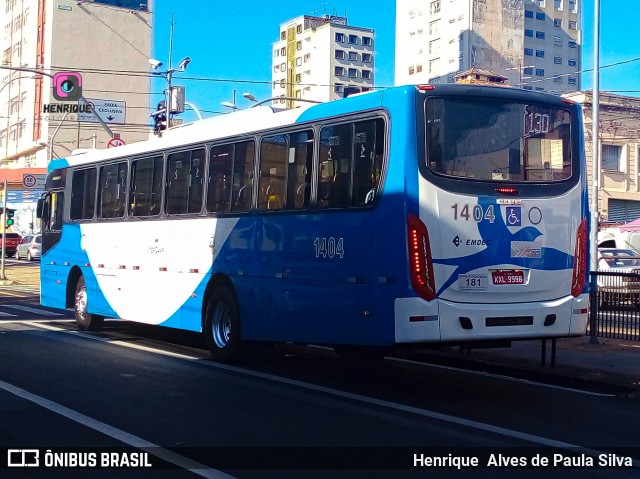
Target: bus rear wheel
{"x":222,"y":326}
{"x":85,"y":320}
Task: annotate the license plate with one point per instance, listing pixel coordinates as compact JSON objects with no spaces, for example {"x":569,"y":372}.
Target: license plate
{"x":507,"y":277}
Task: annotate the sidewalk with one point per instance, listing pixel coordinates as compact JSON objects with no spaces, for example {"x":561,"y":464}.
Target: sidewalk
{"x":612,"y":365}
{"x":27,"y":274}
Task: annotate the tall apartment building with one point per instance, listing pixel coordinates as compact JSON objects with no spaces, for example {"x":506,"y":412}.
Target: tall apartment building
{"x":536,"y":44}
{"x":103,"y":41}
{"x":319,"y":58}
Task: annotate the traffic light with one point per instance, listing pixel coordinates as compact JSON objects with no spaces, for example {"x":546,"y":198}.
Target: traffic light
{"x":160,"y":117}
{"x":9,"y":217}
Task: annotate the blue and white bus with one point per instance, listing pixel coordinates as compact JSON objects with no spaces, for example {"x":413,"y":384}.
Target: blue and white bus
{"x":407,"y":216}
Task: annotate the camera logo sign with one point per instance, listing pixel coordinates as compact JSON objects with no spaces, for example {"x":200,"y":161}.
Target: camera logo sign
{"x":67,"y":86}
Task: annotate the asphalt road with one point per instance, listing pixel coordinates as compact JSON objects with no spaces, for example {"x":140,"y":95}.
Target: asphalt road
{"x":128,"y":386}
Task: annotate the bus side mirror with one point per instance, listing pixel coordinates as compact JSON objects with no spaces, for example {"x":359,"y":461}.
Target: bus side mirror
{"x":39,"y":209}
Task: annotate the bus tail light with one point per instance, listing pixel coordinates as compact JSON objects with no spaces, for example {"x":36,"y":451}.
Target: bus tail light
{"x":420,"y":265}
{"x":580,"y":261}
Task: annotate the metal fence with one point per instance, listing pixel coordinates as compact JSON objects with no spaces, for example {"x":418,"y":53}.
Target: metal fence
{"x":615,"y":305}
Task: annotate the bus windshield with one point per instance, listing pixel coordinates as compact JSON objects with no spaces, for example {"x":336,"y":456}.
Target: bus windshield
{"x":497,"y":140}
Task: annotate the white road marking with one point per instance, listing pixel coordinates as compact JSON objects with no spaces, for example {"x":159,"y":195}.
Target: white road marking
{"x":27,"y":309}
{"x":118,"y":434}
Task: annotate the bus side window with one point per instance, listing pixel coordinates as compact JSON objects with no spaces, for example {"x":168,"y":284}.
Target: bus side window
{"x":273,"y":164}
{"x":219,"y":178}
{"x":336,"y":152}
{"x":113,"y":187}
{"x":146,"y":186}
{"x":242,"y":186}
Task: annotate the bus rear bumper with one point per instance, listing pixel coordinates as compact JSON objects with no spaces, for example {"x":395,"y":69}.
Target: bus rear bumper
{"x":419,"y":321}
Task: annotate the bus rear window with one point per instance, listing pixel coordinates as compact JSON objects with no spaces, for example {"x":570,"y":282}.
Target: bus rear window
{"x":497,"y":140}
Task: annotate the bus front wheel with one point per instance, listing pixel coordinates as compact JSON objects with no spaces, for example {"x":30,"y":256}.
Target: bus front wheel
{"x":85,"y":320}
{"x":222,"y":326}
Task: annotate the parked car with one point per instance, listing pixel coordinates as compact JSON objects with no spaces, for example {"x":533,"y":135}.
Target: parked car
{"x":618,"y":287}
{"x":11,"y":243}
{"x":30,"y":247}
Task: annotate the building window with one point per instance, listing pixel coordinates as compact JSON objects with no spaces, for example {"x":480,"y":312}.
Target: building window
{"x":433,"y":65}
{"x":339,"y":71}
{"x":540,"y":16}
{"x":366,"y":74}
{"x":528,"y":71}
{"x":434,"y":7}
{"x":540,"y":35}
{"x":299,"y":45}
{"x":353,"y":56}
{"x":611,"y":156}
{"x":353,"y":39}
{"x":572,"y":63}
{"x":434,"y":46}
{"x":573,"y":44}
{"x":557,"y":60}
{"x":283,"y":35}
{"x":557,"y":22}
{"x":340,"y":37}
{"x":283,"y":51}
{"x":572,"y":5}
{"x":418,"y":68}
{"x":338,"y":88}
{"x":528,"y":52}
{"x":283,"y":67}
{"x":527,"y":87}
{"x":571,"y":81}
{"x":299,"y":78}
{"x":367,"y":41}
{"x":353,"y":73}
{"x":557,"y":79}
{"x":340,"y":54}
{"x":306,"y":57}
{"x":433,"y":27}
{"x":411,"y":70}
{"x":557,"y":4}
{"x":528,"y":33}
{"x":299,"y":28}
{"x":540,"y":53}
{"x":557,"y":41}
{"x":276,"y":53}
{"x":540,"y":72}
{"x":366,"y":57}
{"x":528,"y":14}
{"x":539,"y":88}
{"x":299,"y":61}
{"x":573,"y":25}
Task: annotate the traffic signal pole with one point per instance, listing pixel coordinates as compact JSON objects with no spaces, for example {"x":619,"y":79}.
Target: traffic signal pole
{"x":4,"y":229}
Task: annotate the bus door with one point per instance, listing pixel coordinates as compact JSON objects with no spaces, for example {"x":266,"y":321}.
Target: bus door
{"x":317,"y":258}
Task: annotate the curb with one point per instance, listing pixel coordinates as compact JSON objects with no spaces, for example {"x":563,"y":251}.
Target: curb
{"x":563,"y":376}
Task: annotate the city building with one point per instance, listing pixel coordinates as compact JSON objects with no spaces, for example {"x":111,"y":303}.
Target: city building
{"x":536,"y":44}
{"x":321,"y":59}
{"x":100,"y":42}
{"x":619,"y":135}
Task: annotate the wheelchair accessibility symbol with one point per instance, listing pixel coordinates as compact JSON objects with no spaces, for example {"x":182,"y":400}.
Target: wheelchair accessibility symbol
{"x":514,"y":216}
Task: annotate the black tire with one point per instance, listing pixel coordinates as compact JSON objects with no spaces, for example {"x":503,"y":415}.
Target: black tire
{"x":85,"y":320}
{"x":222,"y":326}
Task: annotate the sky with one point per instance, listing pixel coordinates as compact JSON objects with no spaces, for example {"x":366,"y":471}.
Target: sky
{"x":230,"y":44}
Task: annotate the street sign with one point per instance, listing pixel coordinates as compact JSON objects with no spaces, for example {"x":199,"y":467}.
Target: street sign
{"x":33,"y":181}
{"x":111,"y":111}
{"x":113,"y":142}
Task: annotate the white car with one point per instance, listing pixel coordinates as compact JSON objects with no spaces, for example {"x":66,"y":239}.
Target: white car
{"x":30,"y":247}
{"x":618,"y":287}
